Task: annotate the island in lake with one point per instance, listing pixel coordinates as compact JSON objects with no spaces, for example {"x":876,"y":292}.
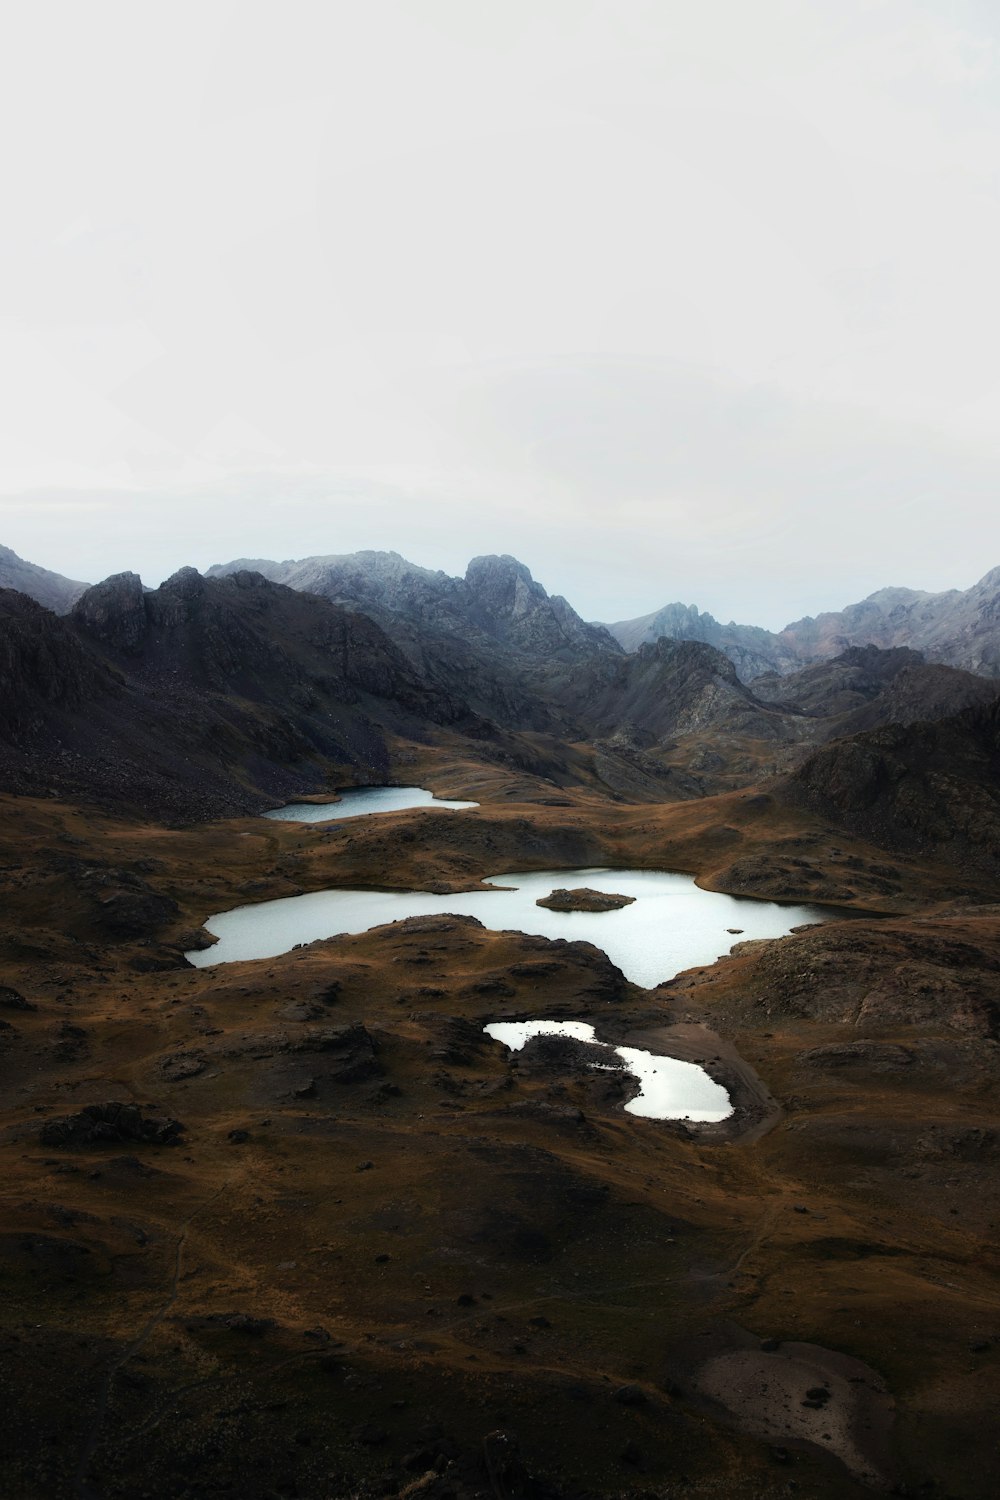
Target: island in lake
{"x":584,"y":899}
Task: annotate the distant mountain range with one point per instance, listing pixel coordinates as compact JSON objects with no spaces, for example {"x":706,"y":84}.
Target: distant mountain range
{"x":51,"y":589}
{"x":959,"y":628}
{"x":500,"y":611}
{"x":218,"y":693}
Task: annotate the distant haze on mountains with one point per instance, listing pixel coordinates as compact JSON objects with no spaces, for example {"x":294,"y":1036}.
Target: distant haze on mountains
{"x":609,"y":571}
{"x":689,"y":302}
{"x":498,"y":595}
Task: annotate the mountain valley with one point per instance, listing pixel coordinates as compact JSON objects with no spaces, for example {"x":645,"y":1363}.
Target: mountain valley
{"x":296,"y":1226}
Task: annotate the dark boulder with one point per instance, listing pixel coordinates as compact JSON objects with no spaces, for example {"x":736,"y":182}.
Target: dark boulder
{"x":112,"y":1122}
{"x":12,"y":999}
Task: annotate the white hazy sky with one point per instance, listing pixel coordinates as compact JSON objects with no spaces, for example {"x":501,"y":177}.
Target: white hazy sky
{"x":673,"y":299}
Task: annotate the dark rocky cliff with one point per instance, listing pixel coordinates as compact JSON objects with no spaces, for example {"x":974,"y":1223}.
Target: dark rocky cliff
{"x":45,"y":671}
{"x":866,"y":687}
{"x":495,"y":637}
{"x":674,"y":688}
{"x":114,"y":612}
{"x":931,"y":787}
{"x":202,"y":696}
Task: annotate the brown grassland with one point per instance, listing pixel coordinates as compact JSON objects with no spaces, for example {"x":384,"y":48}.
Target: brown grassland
{"x":381,"y":1237}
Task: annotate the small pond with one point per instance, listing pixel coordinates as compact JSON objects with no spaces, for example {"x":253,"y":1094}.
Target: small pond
{"x":360,"y":802}
{"x":668,"y":1088}
{"x":671,"y":925}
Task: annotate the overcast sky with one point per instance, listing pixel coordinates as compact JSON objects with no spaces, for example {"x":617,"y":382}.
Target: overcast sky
{"x":673,"y":299}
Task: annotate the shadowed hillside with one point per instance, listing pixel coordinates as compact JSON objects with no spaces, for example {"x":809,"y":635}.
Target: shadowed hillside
{"x":203,"y":696}
{"x":927,"y":787}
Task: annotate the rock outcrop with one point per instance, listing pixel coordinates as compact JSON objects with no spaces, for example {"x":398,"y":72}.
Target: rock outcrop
{"x":505,"y":602}
{"x":110,"y":1124}
{"x":114,"y":612}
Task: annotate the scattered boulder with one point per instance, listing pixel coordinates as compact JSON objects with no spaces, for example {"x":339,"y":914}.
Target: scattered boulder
{"x":12,"y":999}
{"x":112,"y":1122}
{"x":131,"y":1166}
{"x":349,"y":1051}
{"x":181,"y":1065}
{"x":879,"y":1057}
{"x":123,"y":905}
{"x":195,"y":940}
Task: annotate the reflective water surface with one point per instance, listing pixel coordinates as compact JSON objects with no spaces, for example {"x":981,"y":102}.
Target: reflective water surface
{"x":668,"y":1088}
{"x":672,"y":924}
{"x":359,"y":802}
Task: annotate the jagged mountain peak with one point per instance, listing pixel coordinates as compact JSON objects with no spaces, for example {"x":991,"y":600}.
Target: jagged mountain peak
{"x":689,"y":656}
{"x":186,"y":580}
{"x":500,"y":566}
{"x":497,"y":604}
{"x":955,"y":627}
{"x":113,"y":611}
{"x":752,"y":650}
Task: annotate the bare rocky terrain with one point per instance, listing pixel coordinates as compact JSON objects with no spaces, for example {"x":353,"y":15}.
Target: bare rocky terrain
{"x":435,"y":618}
{"x":298,"y":1227}
{"x":960,"y":628}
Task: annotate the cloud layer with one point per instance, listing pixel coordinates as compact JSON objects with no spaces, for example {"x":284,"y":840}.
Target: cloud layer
{"x":673,"y":301}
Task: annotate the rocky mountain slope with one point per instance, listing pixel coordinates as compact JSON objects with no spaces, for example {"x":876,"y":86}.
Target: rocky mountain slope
{"x":750,"y":648}
{"x":528,"y":661}
{"x":867,"y":687}
{"x":672,"y":688}
{"x":203,"y":695}
{"x":234,"y":687}
{"x":928,"y":788}
{"x":244,"y":687}
{"x":675,"y":689}
{"x":51,"y":589}
{"x":495,"y":636}
{"x":45,"y":670}
{"x":497,"y":599}
{"x":299,"y":1227}
{"x":959,"y":628}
